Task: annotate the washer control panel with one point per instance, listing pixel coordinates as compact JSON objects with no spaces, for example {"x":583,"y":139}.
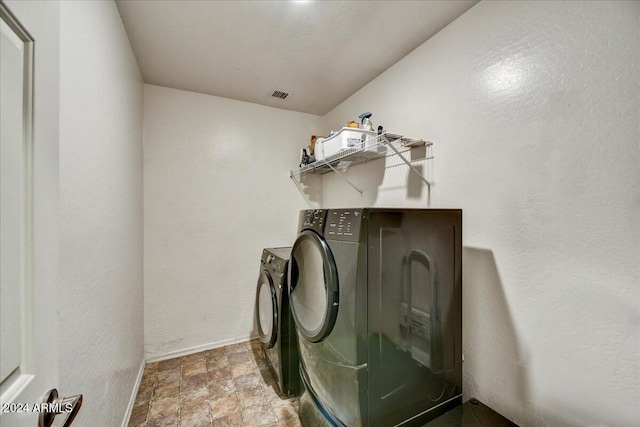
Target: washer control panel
{"x":274,"y":259}
{"x":313,"y":219}
{"x":344,"y":224}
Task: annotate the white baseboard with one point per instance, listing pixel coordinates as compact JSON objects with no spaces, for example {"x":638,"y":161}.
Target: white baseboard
{"x":197,"y":349}
{"x":134,"y":393}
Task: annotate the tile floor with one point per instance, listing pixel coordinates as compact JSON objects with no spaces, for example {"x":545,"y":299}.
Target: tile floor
{"x":228,"y":386}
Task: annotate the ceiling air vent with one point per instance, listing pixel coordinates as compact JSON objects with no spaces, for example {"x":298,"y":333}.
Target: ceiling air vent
{"x":279,"y":94}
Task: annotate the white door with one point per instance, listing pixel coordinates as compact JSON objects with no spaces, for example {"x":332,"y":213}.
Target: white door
{"x":28,"y":194}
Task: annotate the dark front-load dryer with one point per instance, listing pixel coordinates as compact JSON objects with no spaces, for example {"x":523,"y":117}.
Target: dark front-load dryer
{"x":276,"y":329}
{"x":377,"y":301}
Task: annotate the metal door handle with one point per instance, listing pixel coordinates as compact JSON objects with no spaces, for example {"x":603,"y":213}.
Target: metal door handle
{"x":54,"y":406}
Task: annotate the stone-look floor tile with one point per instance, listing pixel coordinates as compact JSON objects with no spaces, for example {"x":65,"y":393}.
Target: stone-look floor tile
{"x":259,"y":359}
{"x":215,"y":352}
{"x":275,"y":388}
{"x":236,"y":358}
{"x":217,"y":362}
{"x":167,"y":421}
{"x":195,"y":396}
{"x":197,"y":416}
{"x":258,"y":416}
{"x":195,"y":423}
{"x":235,"y":348}
{"x":283,"y":410}
{"x":290,"y":422}
{"x":151,"y":367}
{"x":190,"y":408}
{"x":170,"y":375}
{"x":271,"y":393}
{"x":144,"y":396}
{"x":166,"y":390}
{"x":255,"y":349}
{"x":252,"y":397}
{"x":267,"y":376}
{"x":195,"y":357}
{"x":163,"y":407}
{"x":194,"y":383}
{"x":222,"y":389}
{"x":233,"y":420}
{"x":197,"y":393}
{"x":255,"y":343}
{"x":138,"y":415}
{"x":248,"y":381}
{"x":169,"y":363}
{"x":148,"y":379}
{"x":191,"y":402}
{"x":147,"y":383}
{"x":224,"y":407}
{"x":219,"y":375}
{"x":283,"y":401}
{"x":194,"y":368}
{"x":260,"y":362}
{"x":243,"y":368}
{"x":150,"y":370}
{"x":199,"y":422}
{"x":209,"y":392}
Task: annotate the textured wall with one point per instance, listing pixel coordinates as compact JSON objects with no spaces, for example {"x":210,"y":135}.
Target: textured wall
{"x":533,"y":108}
{"x":216,"y":191}
{"x":100,"y":283}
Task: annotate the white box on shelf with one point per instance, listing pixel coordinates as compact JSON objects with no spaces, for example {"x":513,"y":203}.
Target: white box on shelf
{"x":344,"y":139}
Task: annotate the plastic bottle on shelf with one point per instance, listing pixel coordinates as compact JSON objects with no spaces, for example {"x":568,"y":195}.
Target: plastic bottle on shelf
{"x":365,"y":121}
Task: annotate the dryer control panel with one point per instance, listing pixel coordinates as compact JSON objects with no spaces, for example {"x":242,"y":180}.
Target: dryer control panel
{"x":313,"y":219}
{"x":344,"y":224}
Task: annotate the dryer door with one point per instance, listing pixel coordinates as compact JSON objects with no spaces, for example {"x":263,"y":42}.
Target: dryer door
{"x":267,"y":310}
{"x":313,"y":286}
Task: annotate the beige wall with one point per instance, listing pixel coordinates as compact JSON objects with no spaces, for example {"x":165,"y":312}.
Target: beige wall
{"x":100,"y":201}
{"x":533,"y":110}
{"x":216,"y":192}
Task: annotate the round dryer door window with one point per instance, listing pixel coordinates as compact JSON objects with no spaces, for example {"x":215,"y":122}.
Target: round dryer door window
{"x":267,"y":310}
{"x":314,"y":286}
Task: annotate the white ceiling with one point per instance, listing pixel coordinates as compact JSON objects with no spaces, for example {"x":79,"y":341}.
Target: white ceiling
{"x":321,"y":52}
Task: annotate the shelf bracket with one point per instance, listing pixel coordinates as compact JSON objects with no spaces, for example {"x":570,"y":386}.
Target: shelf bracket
{"x":300,"y":189}
{"x":408,"y":163}
{"x":344,"y":178}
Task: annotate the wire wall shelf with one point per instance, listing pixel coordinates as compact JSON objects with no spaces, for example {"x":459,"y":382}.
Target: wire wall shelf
{"x":379,"y":146}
